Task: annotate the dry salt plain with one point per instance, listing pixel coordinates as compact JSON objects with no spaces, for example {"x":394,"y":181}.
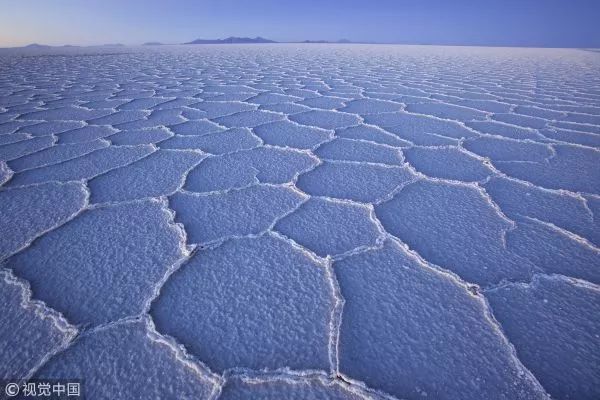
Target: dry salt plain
{"x":302,"y":222}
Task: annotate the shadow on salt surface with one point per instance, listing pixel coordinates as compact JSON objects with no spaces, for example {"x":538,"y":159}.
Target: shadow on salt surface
{"x":252,"y":302}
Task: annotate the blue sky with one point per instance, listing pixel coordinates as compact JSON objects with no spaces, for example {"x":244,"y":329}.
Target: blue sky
{"x":550,"y":23}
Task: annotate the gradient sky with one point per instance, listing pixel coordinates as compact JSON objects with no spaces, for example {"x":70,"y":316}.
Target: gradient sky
{"x":548,"y":23}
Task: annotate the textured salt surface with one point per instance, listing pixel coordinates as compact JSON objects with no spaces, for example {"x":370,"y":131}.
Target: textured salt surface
{"x":302,"y":221}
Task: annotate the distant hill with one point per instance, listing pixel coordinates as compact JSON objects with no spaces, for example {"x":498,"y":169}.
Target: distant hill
{"x":33,"y":48}
{"x":152,"y":44}
{"x":36,"y":46}
{"x":232,"y":39}
{"x":42,"y":49}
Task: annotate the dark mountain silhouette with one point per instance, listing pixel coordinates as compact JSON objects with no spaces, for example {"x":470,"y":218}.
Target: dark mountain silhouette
{"x":36,"y":46}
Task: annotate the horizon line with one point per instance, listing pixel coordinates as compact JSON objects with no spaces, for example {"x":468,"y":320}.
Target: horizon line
{"x":308,"y":41}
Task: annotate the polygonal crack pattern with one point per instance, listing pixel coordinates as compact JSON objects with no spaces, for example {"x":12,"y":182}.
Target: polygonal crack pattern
{"x":252,"y":302}
{"x":287,"y":221}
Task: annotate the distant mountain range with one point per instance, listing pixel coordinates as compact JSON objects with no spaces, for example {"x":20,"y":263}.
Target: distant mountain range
{"x":229,"y":40}
{"x":258,"y":39}
{"x":232,"y":39}
{"x":34,"y":46}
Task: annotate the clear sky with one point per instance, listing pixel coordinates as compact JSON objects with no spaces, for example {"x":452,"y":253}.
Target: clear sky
{"x":549,"y":23}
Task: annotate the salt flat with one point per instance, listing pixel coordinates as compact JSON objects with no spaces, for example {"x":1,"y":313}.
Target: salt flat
{"x":302,"y":221}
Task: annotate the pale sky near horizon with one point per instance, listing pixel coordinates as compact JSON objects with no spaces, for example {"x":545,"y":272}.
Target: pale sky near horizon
{"x":546,"y":23}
